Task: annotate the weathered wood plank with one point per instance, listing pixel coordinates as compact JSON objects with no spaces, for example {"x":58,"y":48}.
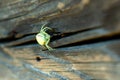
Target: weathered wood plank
{"x":86,"y":38}
{"x":94,"y":61}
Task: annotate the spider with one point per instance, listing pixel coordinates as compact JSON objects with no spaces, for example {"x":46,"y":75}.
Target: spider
{"x":43,"y":38}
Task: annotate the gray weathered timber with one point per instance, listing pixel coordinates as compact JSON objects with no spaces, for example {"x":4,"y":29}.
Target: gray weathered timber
{"x":85,"y":37}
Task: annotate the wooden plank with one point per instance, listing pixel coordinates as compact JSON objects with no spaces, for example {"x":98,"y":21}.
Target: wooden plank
{"x":93,"y":61}
{"x":85,"y":36}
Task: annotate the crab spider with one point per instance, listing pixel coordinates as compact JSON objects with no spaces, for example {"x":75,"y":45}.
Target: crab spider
{"x":43,"y":38}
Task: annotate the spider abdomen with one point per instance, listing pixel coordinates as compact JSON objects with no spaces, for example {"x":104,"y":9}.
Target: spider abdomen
{"x":41,"y":39}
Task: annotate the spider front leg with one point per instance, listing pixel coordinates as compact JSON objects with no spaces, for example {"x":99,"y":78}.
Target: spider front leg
{"x":43,"y":26}
{"x":46,"y":28}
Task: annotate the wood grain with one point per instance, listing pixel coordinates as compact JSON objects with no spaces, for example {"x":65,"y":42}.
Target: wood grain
{"x":85,"y":37}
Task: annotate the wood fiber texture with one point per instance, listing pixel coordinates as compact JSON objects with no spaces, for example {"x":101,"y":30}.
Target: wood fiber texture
{"x":85,"y":36}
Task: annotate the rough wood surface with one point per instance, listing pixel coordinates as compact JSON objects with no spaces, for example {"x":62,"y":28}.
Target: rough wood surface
{"x":86,"y":38}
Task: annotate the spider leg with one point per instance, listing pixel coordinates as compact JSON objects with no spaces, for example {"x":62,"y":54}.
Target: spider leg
{"x":46,"y":28}
{"x":48,"y":47}
{"x":42,"y":28}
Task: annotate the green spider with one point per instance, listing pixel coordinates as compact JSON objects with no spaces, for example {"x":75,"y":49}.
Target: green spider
{"x":43,"y":38}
